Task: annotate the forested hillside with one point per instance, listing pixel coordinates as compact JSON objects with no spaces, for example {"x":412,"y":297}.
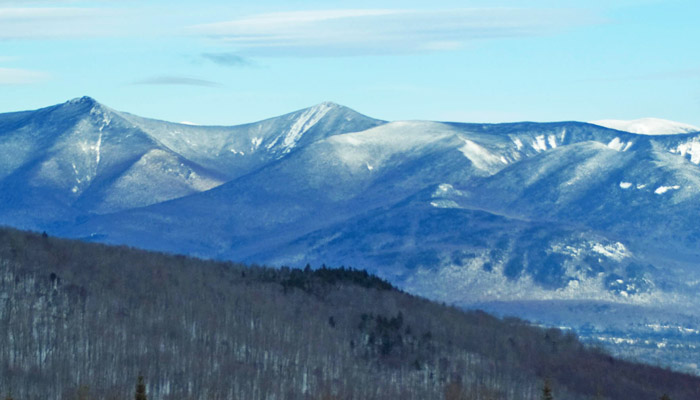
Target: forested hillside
{"x":81,"y":320}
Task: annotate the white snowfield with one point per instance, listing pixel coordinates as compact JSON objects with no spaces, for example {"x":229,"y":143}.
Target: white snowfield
{"x":648,"y":126}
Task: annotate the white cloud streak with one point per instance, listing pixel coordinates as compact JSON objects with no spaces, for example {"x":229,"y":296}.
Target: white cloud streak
{"x":31,"y":13}
{"x":169,"y":80}
{"x":14,"y":76}
{"x":359,"y":32}
{"x":59,"y":22}
{"x":38,"y":2}
{"x":693,"y":73}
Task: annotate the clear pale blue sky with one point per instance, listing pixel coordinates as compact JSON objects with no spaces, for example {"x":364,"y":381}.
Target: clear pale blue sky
{"x":229,"y":62}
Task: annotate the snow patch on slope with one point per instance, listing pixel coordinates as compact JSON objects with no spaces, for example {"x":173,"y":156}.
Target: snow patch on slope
{"x":469,"y":283}
{"x":306,"y":121}
{"x":518,"y":143}
{"x":619,"y":145}
{"x":664,"y":189}
{"x":615,"y":251}
{"x":691,"y":149}
{"x":539,"y":144}
{"x":480,"y":156}
{"x":608,"y":249}
{"x":542,"y":143}
{"x":442,"y":191}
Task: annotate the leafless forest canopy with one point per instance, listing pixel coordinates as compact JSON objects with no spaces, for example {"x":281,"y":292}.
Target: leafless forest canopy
{"x":83,"y":321}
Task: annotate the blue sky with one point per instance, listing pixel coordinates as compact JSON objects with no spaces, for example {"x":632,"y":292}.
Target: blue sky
{"x":229,"y":62}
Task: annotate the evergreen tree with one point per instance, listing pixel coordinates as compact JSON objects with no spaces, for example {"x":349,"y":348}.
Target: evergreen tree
{"x":140,"y":390}
{"x":547,"y":391}
{"x":665,"y":397}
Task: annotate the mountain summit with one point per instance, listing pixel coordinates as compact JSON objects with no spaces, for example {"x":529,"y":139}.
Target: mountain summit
{"x":648,"y":126}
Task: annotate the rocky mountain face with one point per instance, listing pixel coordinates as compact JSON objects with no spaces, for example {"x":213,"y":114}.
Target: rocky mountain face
{"x":500,"y":216}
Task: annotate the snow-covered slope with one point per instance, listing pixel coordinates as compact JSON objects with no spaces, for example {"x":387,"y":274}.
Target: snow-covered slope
{"x":64,"y":160}
{"x":81,"y":156}
{"x":648,"y":126}
{"x":234,"y":151}
{"x":463,"y":213}
{"x":575,"y":205}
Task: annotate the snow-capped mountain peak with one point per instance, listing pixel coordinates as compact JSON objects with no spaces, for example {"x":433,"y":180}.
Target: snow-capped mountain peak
{"x":304,"y":122}
{"x":328,"y":103}
{"x":80,"y":104}
{"x":648,"y":126}
{"x":82,"y":100}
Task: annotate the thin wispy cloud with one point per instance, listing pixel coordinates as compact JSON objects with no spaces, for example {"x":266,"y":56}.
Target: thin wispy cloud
{"x":228,"y":59}
{"x":33,"y":13}
{"x":178,"y":81}
{"x":361,"y":32}
{"x":682,"y":74}
{"x":37,"y":2}
{"x":15,"y":76}
{"x":62,"y":22}
{"x":693,"y":73}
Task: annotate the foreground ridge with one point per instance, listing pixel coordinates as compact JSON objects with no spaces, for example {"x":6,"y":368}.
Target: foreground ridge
{"x":86,"y":318}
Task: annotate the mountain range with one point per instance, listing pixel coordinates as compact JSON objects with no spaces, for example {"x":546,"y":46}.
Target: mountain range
{"x":568,"y":223}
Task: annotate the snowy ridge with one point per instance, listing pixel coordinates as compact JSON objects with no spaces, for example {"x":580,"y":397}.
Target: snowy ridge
{"x":648,"y":126}
{"x":106,"y":160}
